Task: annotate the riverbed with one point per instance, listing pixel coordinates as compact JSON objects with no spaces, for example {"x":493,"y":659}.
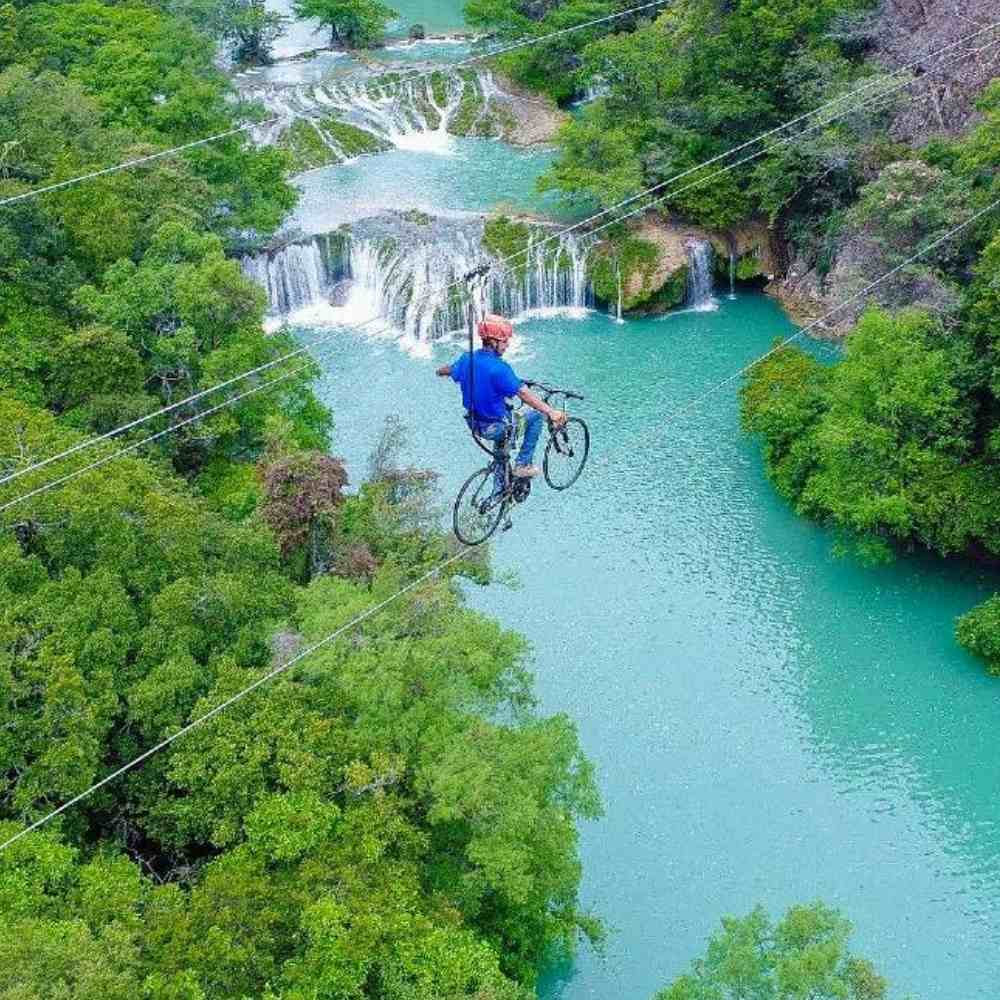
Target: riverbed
{"x":770,"y":724}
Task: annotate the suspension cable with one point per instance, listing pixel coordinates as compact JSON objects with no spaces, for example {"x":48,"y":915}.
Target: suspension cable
{"x":843,"y":304}
{"x":250,"y":126}
{"x":454,"y":557}
{"x":91,"y":442}
{"x":764,"y":151}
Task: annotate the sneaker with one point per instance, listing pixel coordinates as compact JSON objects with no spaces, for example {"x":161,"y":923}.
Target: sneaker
{"x":526,"y":471}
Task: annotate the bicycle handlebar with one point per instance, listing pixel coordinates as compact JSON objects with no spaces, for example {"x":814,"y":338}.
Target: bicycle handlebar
{"x":552,"y":391}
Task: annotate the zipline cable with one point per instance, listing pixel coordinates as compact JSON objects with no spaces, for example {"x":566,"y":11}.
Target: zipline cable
{"x":222,"y":706}
{"x":454,"y":557}
{"x":62,"y":480}
{"x":838,"y":308}
{"x":250,"y":126}
{"x":135,"y":446}
{"x":91,"y":442}
{"x":768,"y":149}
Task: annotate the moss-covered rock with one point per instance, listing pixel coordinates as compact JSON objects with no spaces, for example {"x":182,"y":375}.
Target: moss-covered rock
{"x":749,"y":265}
{"x":479,"y":115}
{"x":304,"y":139}
{"x":504,"y":238}
{"x":673,"y":293}
{"x":416,"y":217}
{"x":352,"y":140}
{"x":636,"y":261}
{"x":306,"y":146}
{"x":439,"y":88}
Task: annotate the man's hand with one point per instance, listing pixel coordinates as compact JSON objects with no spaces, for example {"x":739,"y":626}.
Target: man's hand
{"x":558,"y":417}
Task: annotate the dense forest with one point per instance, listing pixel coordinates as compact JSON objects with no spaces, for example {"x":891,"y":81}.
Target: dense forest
{"x":897,"y":446}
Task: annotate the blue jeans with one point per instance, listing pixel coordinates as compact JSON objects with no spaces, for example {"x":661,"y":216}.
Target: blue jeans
{"x":497,"y":433}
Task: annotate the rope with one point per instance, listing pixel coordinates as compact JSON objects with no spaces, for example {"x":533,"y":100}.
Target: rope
{"x":782,"y":142}
{"x":237,"y":130}
{"x":91,"y":442}
{"x":838,"y":308}
{"x":62,"y":480}
{"x":696,"y":401}
{"x":137,"y":162}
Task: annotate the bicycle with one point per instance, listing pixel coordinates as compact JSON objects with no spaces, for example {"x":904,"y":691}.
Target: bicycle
{"x":480,"y":508}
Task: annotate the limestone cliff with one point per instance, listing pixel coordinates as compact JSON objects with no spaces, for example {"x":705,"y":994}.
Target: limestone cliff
{"x":653,"y":260}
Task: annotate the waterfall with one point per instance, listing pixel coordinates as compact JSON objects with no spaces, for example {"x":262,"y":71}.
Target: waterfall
{"x":416,"y":111}
{"x":619,"y":275}
{"x":699,"y":283}
{"x":552,"y":276}
{"x":596,"y":88}
{"x":398,"y":272}
{"x":732,"y":274}
{"x":298,"y":275}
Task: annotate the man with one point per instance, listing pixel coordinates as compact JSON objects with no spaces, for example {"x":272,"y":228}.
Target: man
{"x":494,"y":382}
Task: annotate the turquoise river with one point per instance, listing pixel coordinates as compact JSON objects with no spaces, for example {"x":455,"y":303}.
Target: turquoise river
{"x":769,"y":724}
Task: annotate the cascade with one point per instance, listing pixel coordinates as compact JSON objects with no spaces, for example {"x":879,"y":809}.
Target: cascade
{"x":408,"y":111}
{"x":596,"y":88}
{"x":299,"y":274}
{"x":398,"y":270}
{"x":699,"y":283}
{"x":732,"y":274}
{"x":619,"y":315}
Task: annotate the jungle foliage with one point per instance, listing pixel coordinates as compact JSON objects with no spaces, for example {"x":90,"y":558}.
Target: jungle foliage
{"x":677,"y":87}
{"x":391,"y":818}
{"x":898,"y":444}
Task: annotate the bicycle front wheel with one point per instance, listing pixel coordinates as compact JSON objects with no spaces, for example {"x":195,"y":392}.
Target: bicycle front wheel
{"x":566,"y":454}
{"x":478,"y":510}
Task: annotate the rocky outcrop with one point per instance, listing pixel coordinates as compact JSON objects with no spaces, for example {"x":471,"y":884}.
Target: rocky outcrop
{"x":671,"y":240}
{"x":942,"y":102}
{"x":536,"y":118}
{"x":655,"y":280}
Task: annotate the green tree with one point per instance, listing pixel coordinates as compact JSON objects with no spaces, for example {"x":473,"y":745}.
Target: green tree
{"x":881,"y":446}
{"x":247,"y":26}
{"x":979,"y":632}
{"x":685,"y":87}
{"x":804,"y":955}
{"x":196,"y":320}
{"x":301,"y":494}
{"x":356,"y":24}
{"x":8,"y":38}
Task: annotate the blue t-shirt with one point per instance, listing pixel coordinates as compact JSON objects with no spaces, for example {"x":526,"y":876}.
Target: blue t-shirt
{"x":495,"y":382}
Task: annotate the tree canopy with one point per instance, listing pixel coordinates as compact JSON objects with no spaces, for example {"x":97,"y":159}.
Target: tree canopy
{"x":803,"y":955}
{"x":355,"y":24}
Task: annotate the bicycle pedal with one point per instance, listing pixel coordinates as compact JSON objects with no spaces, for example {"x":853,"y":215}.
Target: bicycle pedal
{"x":507,"y":526}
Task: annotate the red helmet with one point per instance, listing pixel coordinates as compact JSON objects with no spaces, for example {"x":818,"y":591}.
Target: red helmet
{"x":496,"y":328}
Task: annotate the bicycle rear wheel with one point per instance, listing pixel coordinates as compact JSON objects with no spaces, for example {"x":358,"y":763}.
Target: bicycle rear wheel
{"x":566,"y":454}
{"x":478,"y":511}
